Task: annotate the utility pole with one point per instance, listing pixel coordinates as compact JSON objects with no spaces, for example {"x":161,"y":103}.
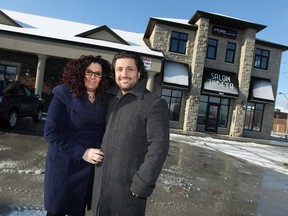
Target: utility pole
{"x":286,"y":128}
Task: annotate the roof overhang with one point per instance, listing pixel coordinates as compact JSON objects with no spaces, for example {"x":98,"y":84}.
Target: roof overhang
{"x":270,"y":44}
{"x":153,"y":21}
{"x":231,"y":22}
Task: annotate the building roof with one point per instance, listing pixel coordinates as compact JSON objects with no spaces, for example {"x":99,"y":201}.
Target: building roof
{"x":220,"y":19}
{"x":214,"y":18}
{"x":39,"y":26}
{"x":183,"y":23}
{"x":270,"y":44}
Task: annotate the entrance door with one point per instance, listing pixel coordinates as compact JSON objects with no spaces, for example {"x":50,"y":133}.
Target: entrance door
{"x":212,"y":117}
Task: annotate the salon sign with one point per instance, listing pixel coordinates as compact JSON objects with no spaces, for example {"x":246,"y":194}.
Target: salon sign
{"x":221,"y":83}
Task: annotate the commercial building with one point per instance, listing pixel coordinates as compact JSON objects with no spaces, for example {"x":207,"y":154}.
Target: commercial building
{"x":34,"y":49}
{"x":280,"y":122}
{"x":216,"y":76}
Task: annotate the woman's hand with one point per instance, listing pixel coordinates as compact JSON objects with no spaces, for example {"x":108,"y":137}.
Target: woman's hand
{"x":93,"y":156}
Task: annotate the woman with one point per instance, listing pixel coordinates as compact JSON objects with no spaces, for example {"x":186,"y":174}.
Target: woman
{"x":74,"y":129}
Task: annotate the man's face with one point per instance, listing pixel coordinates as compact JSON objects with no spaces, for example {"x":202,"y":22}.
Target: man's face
{"x":126,"y":74}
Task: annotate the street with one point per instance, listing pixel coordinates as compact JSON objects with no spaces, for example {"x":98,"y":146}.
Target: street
{"x":198,"y":178}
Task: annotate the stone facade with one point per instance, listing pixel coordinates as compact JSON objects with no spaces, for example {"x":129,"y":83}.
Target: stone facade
{"x":197,"y":67}
{"x":245,"y":70}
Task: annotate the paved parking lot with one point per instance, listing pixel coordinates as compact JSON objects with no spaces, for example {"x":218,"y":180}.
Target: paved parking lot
{"x":194,"y":181}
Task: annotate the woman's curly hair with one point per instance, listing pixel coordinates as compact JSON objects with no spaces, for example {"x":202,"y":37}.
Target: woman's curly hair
{"x":74,"y":76}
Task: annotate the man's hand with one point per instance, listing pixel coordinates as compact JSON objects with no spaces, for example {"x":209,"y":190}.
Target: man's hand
{"x":93,"y":156}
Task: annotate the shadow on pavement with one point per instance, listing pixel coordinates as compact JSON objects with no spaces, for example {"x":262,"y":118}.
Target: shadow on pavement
{"x":25,"y":126}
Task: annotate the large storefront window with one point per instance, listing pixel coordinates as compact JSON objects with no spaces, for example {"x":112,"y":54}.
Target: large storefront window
{"x":203,"y":104}
{"x":213,"y":108}
{"x":173,"y":98}
{"x":253,"y":117}
{"x":7,"y":72}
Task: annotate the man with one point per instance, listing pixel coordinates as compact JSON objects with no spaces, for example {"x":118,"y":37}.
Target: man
{"x":135,"y":143}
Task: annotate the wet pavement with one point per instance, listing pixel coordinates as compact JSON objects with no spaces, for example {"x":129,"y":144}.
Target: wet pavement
{"x":194,"y":181}
{"x":22,"y":154}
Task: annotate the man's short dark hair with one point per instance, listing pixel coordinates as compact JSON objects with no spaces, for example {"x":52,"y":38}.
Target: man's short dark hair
{"x":138,"y":60}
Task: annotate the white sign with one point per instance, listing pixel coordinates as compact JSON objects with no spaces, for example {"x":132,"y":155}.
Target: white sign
{"x":147,"y":62}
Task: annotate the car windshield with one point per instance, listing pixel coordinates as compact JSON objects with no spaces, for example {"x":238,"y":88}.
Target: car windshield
{"x":9,"y":88}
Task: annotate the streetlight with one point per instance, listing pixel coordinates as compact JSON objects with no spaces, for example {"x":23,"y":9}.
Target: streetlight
{"x":286,"y":129}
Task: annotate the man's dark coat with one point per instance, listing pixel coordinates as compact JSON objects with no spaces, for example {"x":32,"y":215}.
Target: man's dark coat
{"x":135,"y":144}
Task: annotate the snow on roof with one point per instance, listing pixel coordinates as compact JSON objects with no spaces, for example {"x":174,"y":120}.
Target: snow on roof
{"x":180,"y":21}
{"x":231,"y":17}
{"x":66,"y":30}
{"x":281,"y":109}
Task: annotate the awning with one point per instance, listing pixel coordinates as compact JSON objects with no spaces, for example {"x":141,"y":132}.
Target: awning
{"x":176,"y":74}
{"x":261,"y":90}
{"x":219,"y":82}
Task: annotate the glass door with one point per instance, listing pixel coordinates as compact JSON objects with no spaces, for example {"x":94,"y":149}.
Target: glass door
{"x":212,"y":117}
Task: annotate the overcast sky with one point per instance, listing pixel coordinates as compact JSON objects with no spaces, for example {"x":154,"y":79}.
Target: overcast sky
{"x":134,"y":15}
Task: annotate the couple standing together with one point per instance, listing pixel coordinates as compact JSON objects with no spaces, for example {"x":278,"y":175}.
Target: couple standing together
{"x":107,"y":143}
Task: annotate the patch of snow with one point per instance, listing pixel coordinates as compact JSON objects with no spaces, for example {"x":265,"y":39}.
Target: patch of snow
{"x":8,"y":164}
{"x":267,"y":156}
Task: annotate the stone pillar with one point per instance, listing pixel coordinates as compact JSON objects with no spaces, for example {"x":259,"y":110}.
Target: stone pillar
{"x":197,"y":68}
{"x":40,"y":74}
{"x":244,"y":77}
{"x":150,"y":81}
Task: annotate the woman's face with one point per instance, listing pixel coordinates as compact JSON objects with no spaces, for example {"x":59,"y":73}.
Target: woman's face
{"x":93,"y":76}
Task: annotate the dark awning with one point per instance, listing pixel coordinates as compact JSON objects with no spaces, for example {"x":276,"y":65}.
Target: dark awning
{"x":176,"y":74}
{"x":219,"y":82}
{"x":261,"y":90}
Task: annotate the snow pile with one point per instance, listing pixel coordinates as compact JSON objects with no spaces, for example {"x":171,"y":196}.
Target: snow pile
{"x":267,"y":156}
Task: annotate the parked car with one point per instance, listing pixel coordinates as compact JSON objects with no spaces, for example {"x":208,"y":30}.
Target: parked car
{"x":18,"y":100}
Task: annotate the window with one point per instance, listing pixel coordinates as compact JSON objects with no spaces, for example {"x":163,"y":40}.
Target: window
{"x":8,"y":72}
{"x":261,"y":59}
{"x":230,"y":52}
{"x":212,"y":49}
{"x":204,"y":101}
{"x":223,"y":115}
{"x":178,"y":42}
{"x":173,"y":98}
{"x":203,"y":104}
{"x":253,"y":117}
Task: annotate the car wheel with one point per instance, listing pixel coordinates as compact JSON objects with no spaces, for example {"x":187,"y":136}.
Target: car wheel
{"x":12,"y":119}
{"x":38,"y":117}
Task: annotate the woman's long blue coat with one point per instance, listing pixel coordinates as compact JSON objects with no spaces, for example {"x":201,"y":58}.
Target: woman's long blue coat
{"x":73,"y":125}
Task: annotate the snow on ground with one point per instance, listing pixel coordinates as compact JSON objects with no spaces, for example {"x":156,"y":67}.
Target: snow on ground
{"x":268,"y":156}
{"x":27,"y":213}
